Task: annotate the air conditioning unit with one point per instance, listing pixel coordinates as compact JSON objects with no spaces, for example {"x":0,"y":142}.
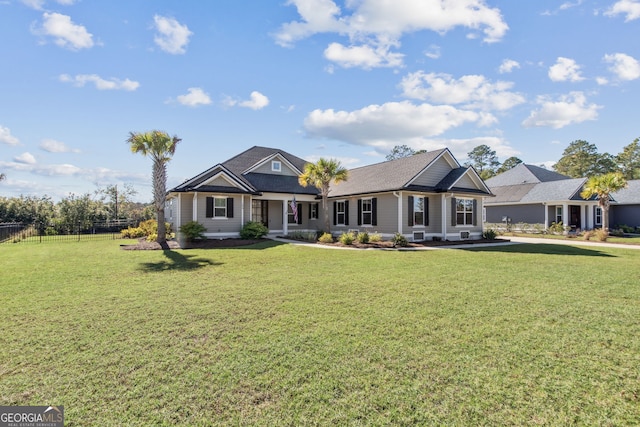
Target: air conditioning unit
{"x":465,"y":235}
{"x":418,"y":236}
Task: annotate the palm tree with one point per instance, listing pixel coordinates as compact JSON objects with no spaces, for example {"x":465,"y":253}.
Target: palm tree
{"x":2,"y":176}
{"x":602,"y":186}
{"x":160,"y":146}
{"x":321,"y":175}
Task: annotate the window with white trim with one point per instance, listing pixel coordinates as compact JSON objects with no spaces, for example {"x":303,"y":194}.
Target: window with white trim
{"x":464,"y":211}
{"x":598,"y":218}
{"x":313,"y":213}
{"x":558,"y":214}
{"x":340,"y":213}
{"x":418,"y":210}
{"x":367,"y":212}
{"x":219,"y":207}
{"x":276,"y":166}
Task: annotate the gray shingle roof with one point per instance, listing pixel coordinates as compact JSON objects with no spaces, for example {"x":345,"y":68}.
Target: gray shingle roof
{"x":629,"y":195}
{"x":524,"y":174}
{"x":560,"y":190}
{"x":386,"y":176}
{"x":279,"y":184}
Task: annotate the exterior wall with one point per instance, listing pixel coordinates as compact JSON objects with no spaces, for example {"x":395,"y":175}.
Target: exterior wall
{"x":529,"y":214}
{"x":466,"y":182}
{"x":266,"y":168}
{"x":624,"y":215}
{"x":186,"y":209}
{"x":434,"y":215}
{"x":434,"y":174}
{"x":453,"y":231}
{"x":219,"y":227}
{"x":386,"y":212}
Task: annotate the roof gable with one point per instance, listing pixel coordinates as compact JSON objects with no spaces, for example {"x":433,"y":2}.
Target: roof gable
{"x":524,"y":174}
{"x":266,"y":166}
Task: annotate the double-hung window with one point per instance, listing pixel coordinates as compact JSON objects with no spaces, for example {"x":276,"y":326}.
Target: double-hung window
{"x":418,"y":211}
{"x":341,"y":213}
{"x":219,"y":207}
{"x":313,"y":211}
{"x":598,"y":215}
{"x":558,"y":214}
{"x":464,"y":211}
{"x":367,"y":212}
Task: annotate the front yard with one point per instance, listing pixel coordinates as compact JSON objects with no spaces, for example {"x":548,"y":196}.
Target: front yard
{"x":278,"y":334}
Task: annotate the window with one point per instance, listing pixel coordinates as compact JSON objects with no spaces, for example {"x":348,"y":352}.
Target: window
{"x":341,"y":213}
{"x":219,"y":207}
{"x":276,"y":166}
{"x":418,"y":211}
{"x":464,"y":211}
{"x":598,"y":215}
{"x":313,"y":211}
{"x":558,"y":214}
{"x":367,"y":211}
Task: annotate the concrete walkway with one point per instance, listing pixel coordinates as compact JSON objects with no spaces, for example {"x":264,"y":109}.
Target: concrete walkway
{"x":576,"y":241}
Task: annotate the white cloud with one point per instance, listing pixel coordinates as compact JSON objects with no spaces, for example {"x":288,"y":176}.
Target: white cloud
{"x":568,"y":109}
{"x":393,"y":123}
{"x":39,"y":4}
{"x":53,"y":146}
{"x":172,"y":37}
{"x":101,"y":84}
{"x":257,"y":101}
{"x":508,"y":65}
{"x":625,"y":67}
{"x":433,"y":52}
{"x":26,"y":158}
{"x":194,"y":98}
{"x":373,"y":26}
{"x":472,"y":91}
{"x":65,"y":33}
{"x":364,"y":56}
{"x":630,"y":8}
{"x":6,"y":137}
{"x":565,"y":69}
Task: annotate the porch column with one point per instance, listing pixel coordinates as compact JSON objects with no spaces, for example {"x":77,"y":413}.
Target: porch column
{"x":195,"y":207}
{"x":565,"y":214}
{"x":242,"y":210}
{"x":443,"y":209}
{"x":546,"y":216}
{"x":285,"y":225}
{"x":400,"y":212}
{"x":583,"y":217}
{"x":179,"y":211}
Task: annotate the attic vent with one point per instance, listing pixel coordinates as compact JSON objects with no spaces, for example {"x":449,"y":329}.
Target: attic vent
{"x":465,"y":235}
{"x":418,"y":236}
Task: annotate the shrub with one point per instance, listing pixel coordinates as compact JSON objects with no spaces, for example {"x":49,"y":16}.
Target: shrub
{"x":253,"y":230}
{"x":601,"y":235}
{"x":326,"y":238}
{"x":148,"y":229}
{"x":363,"y":237}
{"x":557,"y":228}
{"x":489,"y":234}
{"x":375,"y":238}
{"x":588,"y":234}
{"x":399,"y":240}
{"x":616,"y":233}
{"x":347,"y":238}
{"x":193,"y":230}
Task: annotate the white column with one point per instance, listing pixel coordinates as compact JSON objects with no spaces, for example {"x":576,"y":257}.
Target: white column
{"x":285,"y":224}
{"x":242,"y":210}
{"x":400,"y":213}
{"x":546,"y":217}
{"x":195,"y":206}
{"x":443,"y":210}
{"x":565,"y":214}
{"x":583,"y":217}
{"x":179,"y":211}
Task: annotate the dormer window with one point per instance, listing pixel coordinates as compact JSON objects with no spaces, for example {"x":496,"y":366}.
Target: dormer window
{"x":276,"y":166}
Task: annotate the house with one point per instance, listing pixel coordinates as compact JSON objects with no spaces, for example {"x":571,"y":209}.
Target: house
{"x":626,"y":208}
{"x":425,"y":196}
{"x":533,"y":195}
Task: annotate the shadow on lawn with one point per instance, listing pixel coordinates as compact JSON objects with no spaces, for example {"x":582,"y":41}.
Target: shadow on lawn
{"x":176,"y":261}
{"x":541,"y":248}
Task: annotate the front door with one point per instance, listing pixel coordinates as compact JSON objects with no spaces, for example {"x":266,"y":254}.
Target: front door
{"x":574,"y":220}
{"x":260,"y":211}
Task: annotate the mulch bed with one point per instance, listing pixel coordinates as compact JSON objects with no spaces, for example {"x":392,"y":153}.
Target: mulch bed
{"x":143,"y":245}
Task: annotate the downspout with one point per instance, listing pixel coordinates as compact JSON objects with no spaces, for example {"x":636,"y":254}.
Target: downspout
{"x":399,"y":197}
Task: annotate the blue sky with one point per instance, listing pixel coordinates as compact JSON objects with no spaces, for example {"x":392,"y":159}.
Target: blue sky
{"x":318,"y":78}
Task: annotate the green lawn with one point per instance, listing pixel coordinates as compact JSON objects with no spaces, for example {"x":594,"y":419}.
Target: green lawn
{"x":289,"y":335}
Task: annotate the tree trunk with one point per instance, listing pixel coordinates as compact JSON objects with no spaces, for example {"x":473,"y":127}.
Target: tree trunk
{"x":159,"y":190}
{"x":325,"y":208}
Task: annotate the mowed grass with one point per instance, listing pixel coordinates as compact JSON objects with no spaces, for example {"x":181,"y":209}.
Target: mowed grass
{"x":288,"y":335}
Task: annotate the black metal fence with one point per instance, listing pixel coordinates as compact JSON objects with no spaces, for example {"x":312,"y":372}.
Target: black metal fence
{"x":17,"y":232}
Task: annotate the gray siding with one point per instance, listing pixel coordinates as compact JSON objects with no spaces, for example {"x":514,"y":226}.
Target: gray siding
{"x":186,"y":209}
{"x":624,"y":215}
{"x":529,"y":214}
{"x":219,"y":225}
{"x":434,"y":173}
{"x":266,"y":168}
{"x":466,"y":182}
{"x":453,"y":231}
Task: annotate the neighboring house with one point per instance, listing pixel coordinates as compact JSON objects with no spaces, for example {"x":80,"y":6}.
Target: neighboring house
{"x":422,"y":196}
{"x":626,"y":209}
{"x":534,"y":195}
